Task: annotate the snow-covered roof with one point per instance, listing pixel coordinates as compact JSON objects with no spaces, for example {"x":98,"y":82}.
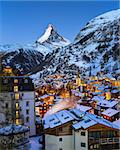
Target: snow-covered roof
{"x":57,"y":119}
{"x":38,"y":103}
{"x":84,"y":124}
{"x":106,"y":103}
{"x":98,"y":98}
{"x":83,"y":108}
{"x":91,"y":120}
{"x":110,"y":112}
{"x":115,"y":91}
{"x":83,"y":120}
{"x":44,"y":96}
{"x":13,"y":129}
{"x":102,"y":121}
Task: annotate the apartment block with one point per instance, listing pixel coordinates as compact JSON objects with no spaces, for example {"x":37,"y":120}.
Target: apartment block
{"x":17,"y":101}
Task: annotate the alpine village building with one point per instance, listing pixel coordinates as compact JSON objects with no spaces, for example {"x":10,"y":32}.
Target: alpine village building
{"x":17,"y":100}
{"x":76,"y":130}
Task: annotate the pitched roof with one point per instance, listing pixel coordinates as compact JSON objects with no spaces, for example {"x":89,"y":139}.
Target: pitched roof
{"x":110,"y":112}
{"x":79,"y":119}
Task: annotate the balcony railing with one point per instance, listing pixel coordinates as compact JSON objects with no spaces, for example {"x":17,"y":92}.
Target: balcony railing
{"x":104,"y":140}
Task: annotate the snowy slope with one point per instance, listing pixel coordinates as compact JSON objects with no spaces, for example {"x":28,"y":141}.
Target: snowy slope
{"x":22,"y":59}
{"x":94,"y":50}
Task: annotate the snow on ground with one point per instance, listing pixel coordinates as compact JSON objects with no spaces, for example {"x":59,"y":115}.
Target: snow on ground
{"x":34,"y":143}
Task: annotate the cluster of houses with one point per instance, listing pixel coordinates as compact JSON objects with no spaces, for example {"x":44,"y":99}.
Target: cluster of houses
{"x":93,"y":123}
{"x":81,"y":114}
{"x":97,"y":96}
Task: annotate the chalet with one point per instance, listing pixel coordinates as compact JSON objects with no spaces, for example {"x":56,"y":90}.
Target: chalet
{"x":110,"y":114}
{"x":73,"y":129}
{"x":85,"y":109}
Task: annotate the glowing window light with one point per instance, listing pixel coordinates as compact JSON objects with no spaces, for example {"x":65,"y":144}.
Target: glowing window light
{"x":17,"y":114}
{"x":15,"y":80}
{"x":17,"y":105}
{"x":17,"y":96}
{"x":17,"y":121}
{"x":15,"y":88}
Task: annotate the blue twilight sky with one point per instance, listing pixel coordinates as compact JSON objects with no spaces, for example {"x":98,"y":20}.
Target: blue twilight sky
{"x":24,"y":21}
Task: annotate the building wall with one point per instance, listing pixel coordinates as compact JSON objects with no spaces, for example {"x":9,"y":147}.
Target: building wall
{"x":18,"y":139}
{"x":5,"y":108}
{"x":66,"y":143}
{"x":53,"y":142}
{"x":8,"y":113}
{"x":28,"y":97}
{"x":80,"y":139}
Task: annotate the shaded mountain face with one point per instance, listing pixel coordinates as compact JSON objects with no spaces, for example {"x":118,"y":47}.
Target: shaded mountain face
{"x":95,"y":50}
{"x":29,"y":56}
{"x":22,"y":59}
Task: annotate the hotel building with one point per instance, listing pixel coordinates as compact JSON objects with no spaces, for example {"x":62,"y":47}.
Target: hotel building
{"x":17,"y":100}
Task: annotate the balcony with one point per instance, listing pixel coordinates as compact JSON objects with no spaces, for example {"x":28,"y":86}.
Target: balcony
{"x":109,"y":140}
{"x":102,"y":141}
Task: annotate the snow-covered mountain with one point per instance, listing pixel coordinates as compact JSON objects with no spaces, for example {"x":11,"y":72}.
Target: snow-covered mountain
{"x":22,"y":59}
{"x":94,"y":50}
{"x":29,"y":56}
{"x":52,"y":38}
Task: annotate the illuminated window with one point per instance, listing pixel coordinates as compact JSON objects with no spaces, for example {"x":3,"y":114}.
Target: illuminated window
{"x":17,"y":121}
{"x":17,"y":105}
{"x":15,"y":80}
{"x":17,"y":114}
{"x":17,"y":96}
{"x":15,"y":88}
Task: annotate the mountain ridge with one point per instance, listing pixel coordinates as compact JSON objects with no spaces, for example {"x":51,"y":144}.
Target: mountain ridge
{"x":94,"y":51}
{"x":39,"y":50}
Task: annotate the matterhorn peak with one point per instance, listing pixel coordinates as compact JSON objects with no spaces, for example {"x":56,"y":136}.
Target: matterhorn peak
{"x":46,"y":34}
{"x":52,"y":37}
